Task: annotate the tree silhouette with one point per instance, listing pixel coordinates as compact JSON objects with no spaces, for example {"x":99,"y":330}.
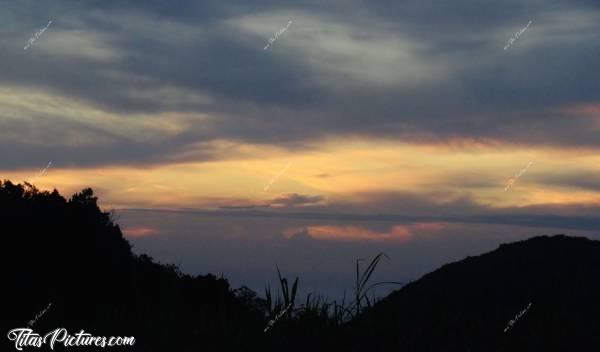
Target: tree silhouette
{"x":70,"y":253}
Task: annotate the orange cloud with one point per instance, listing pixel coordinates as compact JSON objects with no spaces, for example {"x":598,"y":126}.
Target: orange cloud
{"x":357,"y":233}
{"x":588,"y":110}
{"x":139,"y":231}
{"x":435,"y":172}
{"x":395,"y":233}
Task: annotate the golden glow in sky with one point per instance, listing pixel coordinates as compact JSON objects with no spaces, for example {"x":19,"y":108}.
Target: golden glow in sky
{"x":339,"y":170}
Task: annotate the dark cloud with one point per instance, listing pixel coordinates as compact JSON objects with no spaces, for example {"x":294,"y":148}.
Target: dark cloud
{"x":585,"y":180}
{"x":245,"y":207}
{"x":296,"y":200}
{"x":425,"y":74}
{"x":402,"y":208}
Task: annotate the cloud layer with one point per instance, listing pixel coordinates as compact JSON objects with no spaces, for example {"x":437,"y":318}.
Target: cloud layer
{"x":172,"y":77}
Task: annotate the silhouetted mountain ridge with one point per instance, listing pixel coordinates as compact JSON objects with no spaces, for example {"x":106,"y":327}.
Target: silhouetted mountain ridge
{"x":69,"y":253}
{"x":468,"y":304}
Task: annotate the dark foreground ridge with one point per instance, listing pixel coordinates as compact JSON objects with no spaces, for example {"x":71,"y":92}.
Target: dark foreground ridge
{"x":70,"y":254}
{"x":467,"y":305}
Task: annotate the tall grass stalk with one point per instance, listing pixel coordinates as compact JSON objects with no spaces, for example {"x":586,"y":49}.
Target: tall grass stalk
{"x":316,"y":306}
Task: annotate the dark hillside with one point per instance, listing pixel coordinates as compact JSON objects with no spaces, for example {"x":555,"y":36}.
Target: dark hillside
{"x":68,"y":253}
{"x":465,"y":306}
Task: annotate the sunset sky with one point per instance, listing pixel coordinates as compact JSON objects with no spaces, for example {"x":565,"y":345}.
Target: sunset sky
{"x":365,"y":127}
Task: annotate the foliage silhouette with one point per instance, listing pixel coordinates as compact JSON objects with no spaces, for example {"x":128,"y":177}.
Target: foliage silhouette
{"x":69,"y":253}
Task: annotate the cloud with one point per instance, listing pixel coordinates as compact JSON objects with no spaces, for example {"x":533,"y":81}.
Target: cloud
{"x":516,"y":217}
{"x":298,"y":234}
{"x":357,"y":233}
{"x":139,"y":231}
{"x":336,"y":49}
{"x":296,"y":200}
{"x":581,"y":179}
{"x":362,"y":233}
{"x":245,"y":207}
{"x":146,"y":67}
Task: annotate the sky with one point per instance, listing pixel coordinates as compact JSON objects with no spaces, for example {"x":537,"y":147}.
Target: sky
{"x":230,"y":137}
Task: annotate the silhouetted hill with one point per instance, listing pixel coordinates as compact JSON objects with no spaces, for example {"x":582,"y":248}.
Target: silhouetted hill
{"x":70,"y":254}
{"x":466,"y":306}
